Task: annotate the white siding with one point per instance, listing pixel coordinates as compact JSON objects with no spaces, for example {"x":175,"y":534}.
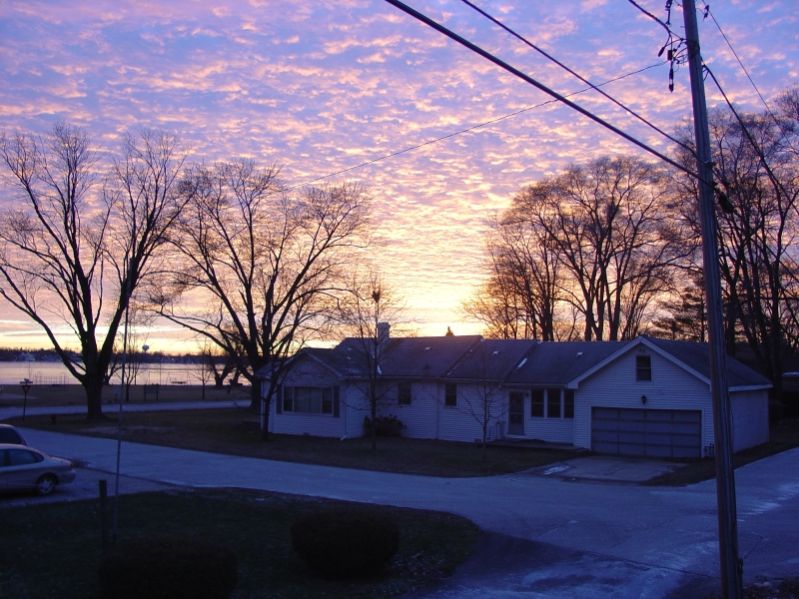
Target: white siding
{"x":428,"y":418}
{"x":550,"y":429}
{"x":671,"y":388}
{"x":749,"y":419}
{"x":310,"y":373}
{"x":421,"y":416}
{"x":463,"y":422}
{"x":318,"y":425}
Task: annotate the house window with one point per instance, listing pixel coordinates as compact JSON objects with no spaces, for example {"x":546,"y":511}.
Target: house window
{"x":568,"y":403}
{"x":451,"y":395}
{"x":553,"y":403}
{"x":311,"y":400}
{"x":537,"y":403}
{"x":643,"y":368}
{"x":404,"y":394}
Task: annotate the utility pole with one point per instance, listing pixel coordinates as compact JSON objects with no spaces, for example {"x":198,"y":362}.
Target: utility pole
{"x":725,"y":479}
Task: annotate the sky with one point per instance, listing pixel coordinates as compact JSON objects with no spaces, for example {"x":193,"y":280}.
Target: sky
{"x":322,"y":86}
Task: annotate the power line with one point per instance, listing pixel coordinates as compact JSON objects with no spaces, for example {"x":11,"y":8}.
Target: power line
{"x":575,"y":74}
{"x":470,"y":128}
{"x":665,"y":26}
{"x":514,"y":71}
{"x":674,"y":42}
{"x":738,"y":58}
{"x":760,"y":154}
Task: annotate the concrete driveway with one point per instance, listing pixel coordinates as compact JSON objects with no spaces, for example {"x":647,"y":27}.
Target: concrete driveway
{"x":562,"y":538}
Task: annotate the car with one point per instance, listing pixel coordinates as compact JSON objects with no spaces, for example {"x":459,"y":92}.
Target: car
{"x":9,"y":434}
{"x":24,"y":468}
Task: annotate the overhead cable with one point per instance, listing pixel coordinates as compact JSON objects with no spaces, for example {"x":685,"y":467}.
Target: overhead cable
{"x":575,"y":74}
{"x":772,"y":177}
{"x":514,"y":71}
{"x":738,"y":58}
{"x":470,"y":128}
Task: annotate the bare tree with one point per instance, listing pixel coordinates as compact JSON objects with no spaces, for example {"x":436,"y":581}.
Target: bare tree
{"x":520,"y":299}
{"x":615,"y":229}
{"x":686,"y":313}
{"x":215,"y":364}
{"x":497,"y":306}
{"x":487,"y":405}
{"x":755,"y":164}
{"x":71,"y":256}
{"x":126,"y":359}
{"x":596,"y":244}
{"x":366,"y":313}
{"x":267,"y":264}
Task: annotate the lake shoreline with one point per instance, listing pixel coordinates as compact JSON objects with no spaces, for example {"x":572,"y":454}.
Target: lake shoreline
{"x":73,"y":394}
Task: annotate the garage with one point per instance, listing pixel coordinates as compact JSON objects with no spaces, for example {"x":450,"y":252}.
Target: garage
{"x":650,"y":433}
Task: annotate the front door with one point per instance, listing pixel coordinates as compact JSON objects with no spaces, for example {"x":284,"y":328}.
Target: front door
{"x":516,"y":414}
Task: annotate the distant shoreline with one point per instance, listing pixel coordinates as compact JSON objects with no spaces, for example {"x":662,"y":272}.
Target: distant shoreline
{"x":73,"y":394}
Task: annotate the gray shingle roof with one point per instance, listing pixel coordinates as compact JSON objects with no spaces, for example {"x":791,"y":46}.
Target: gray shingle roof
{"x":408,"y":357}
{"x":512,"y":362}
{"x":697,"y":356}
{"x":557,"y":363}
{"x":491,"y":359}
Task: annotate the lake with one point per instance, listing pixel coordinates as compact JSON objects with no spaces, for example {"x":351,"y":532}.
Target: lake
{"x":54,"y":373}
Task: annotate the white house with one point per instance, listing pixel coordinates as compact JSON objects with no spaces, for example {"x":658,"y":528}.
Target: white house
{"x":645,"y":397}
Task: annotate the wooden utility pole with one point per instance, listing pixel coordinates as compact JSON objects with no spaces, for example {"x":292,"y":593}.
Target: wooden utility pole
{"x":725,"y":479}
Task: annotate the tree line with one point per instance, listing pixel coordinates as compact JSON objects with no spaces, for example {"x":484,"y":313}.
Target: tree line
{"x":612,"y":249}
{"x":99,"y":248}
{"x":606,"y":250}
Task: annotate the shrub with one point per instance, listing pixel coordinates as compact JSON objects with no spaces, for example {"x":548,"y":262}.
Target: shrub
{"x":167,"y":568}
{"x":385,"y":426}
{"x":345,"y":542}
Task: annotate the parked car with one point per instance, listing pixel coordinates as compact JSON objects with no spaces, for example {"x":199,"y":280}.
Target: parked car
{"x":25,"y":468}
{"x":9,"y":434}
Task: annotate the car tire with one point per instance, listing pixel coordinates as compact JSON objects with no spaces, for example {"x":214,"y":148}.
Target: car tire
{"x":46,"y":484}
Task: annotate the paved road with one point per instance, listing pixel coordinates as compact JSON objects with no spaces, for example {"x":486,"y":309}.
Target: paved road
{"x":588,"y":538}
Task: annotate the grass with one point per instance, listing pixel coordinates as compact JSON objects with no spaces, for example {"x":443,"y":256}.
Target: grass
{"x":53,"y":550}
{"x":235,"y":431}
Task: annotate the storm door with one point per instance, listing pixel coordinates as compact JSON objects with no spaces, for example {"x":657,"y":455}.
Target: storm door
{"x":516,"y":414}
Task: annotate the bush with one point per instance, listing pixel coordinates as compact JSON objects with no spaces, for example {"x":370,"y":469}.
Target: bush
{"x":167,"y":568}
{"x":385,"y":426}
{"x":345,"y":542}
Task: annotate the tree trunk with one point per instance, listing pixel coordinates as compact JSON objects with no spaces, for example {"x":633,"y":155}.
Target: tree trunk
{"x":255,"y":394}
{"x":94,"y":399}
{"x":265,"y":420}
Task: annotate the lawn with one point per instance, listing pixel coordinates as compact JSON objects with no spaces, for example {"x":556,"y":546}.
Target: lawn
{"x":53,"y":550}
{"x":235,"y":431}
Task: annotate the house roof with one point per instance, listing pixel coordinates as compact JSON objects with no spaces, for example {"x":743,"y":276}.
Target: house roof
{"x":408,"y":357}
{"x":692,"y":357}
{"x":558,"y":362}
{"x":527,"y":363}
{"x":696,"y":355}
{"x":491,"y":359}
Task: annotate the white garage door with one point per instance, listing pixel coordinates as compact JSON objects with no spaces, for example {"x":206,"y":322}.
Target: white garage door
{"x":652,"y":433}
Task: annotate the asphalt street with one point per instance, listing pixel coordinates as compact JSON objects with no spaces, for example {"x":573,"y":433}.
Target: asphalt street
{"x":549,"y":536}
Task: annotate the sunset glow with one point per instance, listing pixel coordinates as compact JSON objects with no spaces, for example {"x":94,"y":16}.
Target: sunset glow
{"x":323,"y":86}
